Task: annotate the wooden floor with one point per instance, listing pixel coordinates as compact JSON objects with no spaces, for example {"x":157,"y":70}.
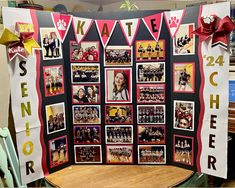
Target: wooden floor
{"x":118,"y":176}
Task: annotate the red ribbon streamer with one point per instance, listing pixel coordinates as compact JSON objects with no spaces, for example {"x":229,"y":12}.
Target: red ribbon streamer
{"x":217,"y":29}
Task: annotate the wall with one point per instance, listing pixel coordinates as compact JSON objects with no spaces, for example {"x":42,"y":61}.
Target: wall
{"x":5,"y":88}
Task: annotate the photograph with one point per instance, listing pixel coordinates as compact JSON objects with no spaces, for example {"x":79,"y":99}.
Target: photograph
{"x":184,"y":115}
{"x":118,"y":114}
{"x":116,"y":154}
{"x":151,"y":154}
{"x":86,"y":51}
{"x":85,"y":73}
{"x":150,"y":93}
{"x":88,"y":154}
{"x":50,"y":44}
{"x":118,"y":56}
{"x":151,"y":114}
{"x":118,"y":85}
{"x":58,"y":151}
{"x":151,"y":134}
{"x":87,"y":114}
{"x":184,"y":40}
{"x":86,"y":94}
{"x":183,"y":150}
{"x":184,"y":77}
{"x":53,"y":80}
{"x":150,"y":50}
{"x":150,"y":72}
{"x":119,"y":134}
{"x":87,"y":134}
{"x":55,"y":118}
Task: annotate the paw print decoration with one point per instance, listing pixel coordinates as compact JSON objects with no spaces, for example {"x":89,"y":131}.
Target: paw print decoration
{"x":61,"y":25}
{"x":173,"y":22}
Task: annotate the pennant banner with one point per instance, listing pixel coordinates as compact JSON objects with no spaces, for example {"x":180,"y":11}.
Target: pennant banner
{"x":173,"y":20}
{"x":213,"y":120}
{"x":154,"y":24}
{"x":25,"y":101}
{"x":62,"y":23}
{"x":81,"y":27}
{"x":129,"y":28}
{"x":105,"y":29}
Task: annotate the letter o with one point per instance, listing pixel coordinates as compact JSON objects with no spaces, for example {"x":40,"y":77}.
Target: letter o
{"x":30,"y":145}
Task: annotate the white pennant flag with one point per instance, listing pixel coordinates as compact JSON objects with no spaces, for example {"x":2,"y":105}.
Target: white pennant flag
{"x":81,"y":27}
{"x":173,"y":20}
{"x":129,"y":28}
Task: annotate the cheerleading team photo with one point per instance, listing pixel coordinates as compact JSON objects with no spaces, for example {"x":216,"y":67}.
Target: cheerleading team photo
{"x":183,"y":77}
{"x":119,"y":134}
{"x":150,"y":50}
{"x":183,"y":150}
{"x":86,"y":51}
{"x":150,"y":93}
{"x":87,"y":134}
{"x":151,"y":154}
{"x":87,"y":114}
{"x":85,"y":73}
{"x":118,"y":85}
{"x":53,"y":80}
{"x":151,"y":134}
{"x":88,"y":154}
{"x":58,"y":151}
{"x":184,"y":115}
{"x":184,"y":40}
{"x":119,"y":114}
{"x":151,"y":114}
{"x":118,"y":56}
{"x":119,"y":154}
{"x":150,"y":72}
{"x":55,"y":117}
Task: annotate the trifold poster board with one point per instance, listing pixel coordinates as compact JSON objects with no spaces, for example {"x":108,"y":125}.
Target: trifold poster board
{"x":144,"y":87}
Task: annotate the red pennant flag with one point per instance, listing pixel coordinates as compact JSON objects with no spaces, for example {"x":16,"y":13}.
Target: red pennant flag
{"x":154,"y":24}
{"x":129,"y":28}
{"x":173,"y":20}
{"x":61,"y":23}
{"x":105,"y":29}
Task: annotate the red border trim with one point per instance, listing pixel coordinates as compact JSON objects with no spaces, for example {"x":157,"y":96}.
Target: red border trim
{"x":38,"y":62}
{"x":201,"y":115}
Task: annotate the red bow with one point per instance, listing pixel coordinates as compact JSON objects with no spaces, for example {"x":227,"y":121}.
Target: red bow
{"x":217,"y":29}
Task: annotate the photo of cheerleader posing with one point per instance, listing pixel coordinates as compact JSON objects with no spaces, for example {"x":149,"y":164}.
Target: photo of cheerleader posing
{"x":183,"y":150}
{"x":87,"y":154}
{"x":184,"y":115}
{"x":119,"y":154}
{"x":87,"y":134}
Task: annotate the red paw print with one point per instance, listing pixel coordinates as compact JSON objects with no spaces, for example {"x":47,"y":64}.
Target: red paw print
{"x":173,"y":22}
